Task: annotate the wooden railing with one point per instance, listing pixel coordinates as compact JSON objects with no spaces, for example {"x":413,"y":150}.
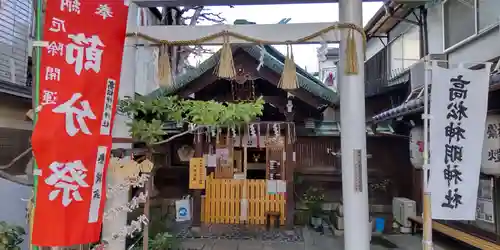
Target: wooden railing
{"x":222,"y":201}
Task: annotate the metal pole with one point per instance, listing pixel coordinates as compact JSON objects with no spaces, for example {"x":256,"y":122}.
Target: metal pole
{"x":353,"y":136}
{"x":36,"y":101}
{"x":427,"y":218}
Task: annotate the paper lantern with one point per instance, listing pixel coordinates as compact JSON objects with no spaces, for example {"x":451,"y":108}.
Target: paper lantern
{"x":417,"y":147}
{"x":490,"y":160}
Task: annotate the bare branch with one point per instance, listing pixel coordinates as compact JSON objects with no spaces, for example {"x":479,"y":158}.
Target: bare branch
{"x":178,"y":135}
{"x":26,"y":181}
{"x":196,"y":16}
{"x":211,"y":17}
{"x":200,"y":13}
{"x":11,"y":163}
{"x":197,"y":50}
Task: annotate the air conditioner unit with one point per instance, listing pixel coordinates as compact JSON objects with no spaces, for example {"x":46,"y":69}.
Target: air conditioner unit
{"x":417,"y":70}
{"x":402,"y":208}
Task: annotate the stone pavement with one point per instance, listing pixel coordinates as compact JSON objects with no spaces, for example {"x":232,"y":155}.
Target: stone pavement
{"x":312,"y":241}
{"x":204,"y":244}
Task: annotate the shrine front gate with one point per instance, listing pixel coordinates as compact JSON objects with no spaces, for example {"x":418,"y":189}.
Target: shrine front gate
{"x":222,"y":201}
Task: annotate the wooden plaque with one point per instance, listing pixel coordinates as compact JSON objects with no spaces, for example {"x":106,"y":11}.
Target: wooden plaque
{"x":197,"y":173}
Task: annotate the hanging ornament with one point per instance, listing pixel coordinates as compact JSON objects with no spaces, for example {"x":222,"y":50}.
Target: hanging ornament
{"x":217,"y":135}
{"x":261,"y":57}
{"x":164,"y":68}
{"x":288,"y":78}
{"x":252,"y":90}
{"x":258,"y":136}
{"x":213,"y":131}
{"x":268,"y":138}
{"x":225,"y":69}
{"x":252,"y":131}
{"x":276,"y":131}
{"x":233,"y":131}
{"x":128,"y":207}
{"x":134,"y":227}
{"x":136,"y":183}
{"x":228,"y":137}
{"x":289,"y":133}
{"x":146,"y":166}
{"x":185,"y":153}
{"x":192,"y":126}
{"x":351,"y":54}
{"x":124,"y":169}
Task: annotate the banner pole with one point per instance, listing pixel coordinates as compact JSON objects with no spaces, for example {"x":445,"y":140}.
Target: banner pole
{"x":427,"y":217}
{"x":36,"y":101}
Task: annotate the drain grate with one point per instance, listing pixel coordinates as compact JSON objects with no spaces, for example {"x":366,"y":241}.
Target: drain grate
{"x":381,"y":241}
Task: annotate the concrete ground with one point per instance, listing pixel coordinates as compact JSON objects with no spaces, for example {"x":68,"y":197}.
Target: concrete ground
{"x":312,"y":241}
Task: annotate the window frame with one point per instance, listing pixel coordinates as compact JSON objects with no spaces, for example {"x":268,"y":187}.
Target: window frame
{"x":477,"y":31}
{"x":389,"y":47}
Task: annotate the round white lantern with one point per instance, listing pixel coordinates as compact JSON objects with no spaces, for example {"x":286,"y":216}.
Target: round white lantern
{"x":417,"y":147}
{"x":490,"y":161}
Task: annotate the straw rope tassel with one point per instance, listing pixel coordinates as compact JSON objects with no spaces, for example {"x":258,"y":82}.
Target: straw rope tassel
{"x":288,"y":78}
{"x":226,"y":69}
{"x":351,"y":55}
{"x":164,"y":68}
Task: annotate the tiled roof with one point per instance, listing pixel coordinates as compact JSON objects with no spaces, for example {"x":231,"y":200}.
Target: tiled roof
{"x":273,"y":60}
{"x":417,"y":105}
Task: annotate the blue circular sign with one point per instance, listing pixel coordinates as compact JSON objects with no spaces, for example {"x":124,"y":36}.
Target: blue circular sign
{"x":182,"y":211}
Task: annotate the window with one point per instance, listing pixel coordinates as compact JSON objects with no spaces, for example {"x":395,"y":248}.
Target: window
{"x":487,"y":13}
{"x":465,"y":18}
{"x":405,"y":50}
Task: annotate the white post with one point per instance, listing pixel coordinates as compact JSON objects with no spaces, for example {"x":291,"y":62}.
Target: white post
{"x":120,"y":130}
{"x":427,"y":216}
{"x":353,"y":137}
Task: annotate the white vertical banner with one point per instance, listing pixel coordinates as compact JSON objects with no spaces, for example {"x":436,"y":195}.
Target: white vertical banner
{"x":458,"y":106}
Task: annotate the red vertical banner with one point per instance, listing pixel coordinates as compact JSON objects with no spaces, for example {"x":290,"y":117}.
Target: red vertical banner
{"x":79,"y":81}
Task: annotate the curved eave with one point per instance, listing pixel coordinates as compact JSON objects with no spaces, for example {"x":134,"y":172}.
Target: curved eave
{"x":315,"y":87}
{"x":417,"y":105}
{"x":15,"y":89}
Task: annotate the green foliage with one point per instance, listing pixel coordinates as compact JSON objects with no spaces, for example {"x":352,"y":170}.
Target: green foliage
{"x":150,"y":114}
{"x":10,"y":236}
{"x":163,"y":241}
{"x":314,"y":199}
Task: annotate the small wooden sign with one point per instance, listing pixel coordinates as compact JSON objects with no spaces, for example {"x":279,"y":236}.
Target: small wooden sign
{"x":197,"y":173}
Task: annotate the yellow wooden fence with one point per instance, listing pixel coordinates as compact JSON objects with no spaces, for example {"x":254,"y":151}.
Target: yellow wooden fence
{"x":222,"y":202}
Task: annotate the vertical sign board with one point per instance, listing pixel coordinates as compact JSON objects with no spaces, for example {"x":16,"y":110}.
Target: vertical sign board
{"x":358,"y":170}
{"x":197,"y":173}
{"x":79,"y":83}
{"x":490,"y":164}
{"x":458,"y":107}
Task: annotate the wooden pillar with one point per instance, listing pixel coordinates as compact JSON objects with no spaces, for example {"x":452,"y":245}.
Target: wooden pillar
{"x":198,"y":152}
{"x":290,"y":166}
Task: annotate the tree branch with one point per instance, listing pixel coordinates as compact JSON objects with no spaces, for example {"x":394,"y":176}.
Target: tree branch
{"x":17,"y":179}
{"x":182,"y":51}
{"x":195,"y":16}
{"x":211,"y":17}
{"x":178,"y":135}
{"x":11,"y":163}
